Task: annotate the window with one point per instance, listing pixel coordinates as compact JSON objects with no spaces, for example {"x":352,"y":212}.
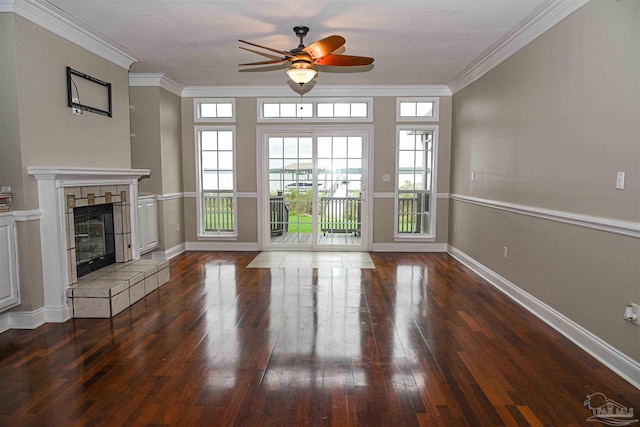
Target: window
{"x":214,"y":109}
{"x":286,"y":109}
{"x":343,"y":109}
{"x":417,"y":109}
{"x":316,"y":109}
{"x":415,"y":201}
{"x":216,"y":181}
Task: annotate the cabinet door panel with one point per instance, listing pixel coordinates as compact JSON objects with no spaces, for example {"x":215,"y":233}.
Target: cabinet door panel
{"x":9,"y":292}
{"x":151,"y":216}
{"x":141,"y":227}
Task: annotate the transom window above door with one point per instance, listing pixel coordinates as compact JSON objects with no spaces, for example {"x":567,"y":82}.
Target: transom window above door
{"x":315,"y":109}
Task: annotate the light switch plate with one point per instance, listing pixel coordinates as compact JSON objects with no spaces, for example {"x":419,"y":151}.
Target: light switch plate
{"x":620,"y":181}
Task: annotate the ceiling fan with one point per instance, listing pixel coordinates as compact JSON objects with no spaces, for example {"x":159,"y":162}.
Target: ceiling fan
{"x":303,"y":59}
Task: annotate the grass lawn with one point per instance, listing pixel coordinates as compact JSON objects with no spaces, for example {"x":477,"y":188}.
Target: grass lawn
{"x":300,"y":224}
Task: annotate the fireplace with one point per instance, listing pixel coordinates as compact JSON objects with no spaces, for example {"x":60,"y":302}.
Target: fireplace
{"x":60,"y":191}
{"x":94,"y":237}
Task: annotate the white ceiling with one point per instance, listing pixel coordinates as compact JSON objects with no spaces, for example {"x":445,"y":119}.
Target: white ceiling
{"x":195,"y":43}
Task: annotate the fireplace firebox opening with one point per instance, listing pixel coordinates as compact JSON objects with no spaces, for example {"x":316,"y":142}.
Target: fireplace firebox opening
{"x":94,"y":237}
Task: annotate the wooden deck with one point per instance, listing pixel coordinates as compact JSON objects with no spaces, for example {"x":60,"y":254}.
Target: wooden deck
{"x":337,"y":239}
{"x":418,"y":341}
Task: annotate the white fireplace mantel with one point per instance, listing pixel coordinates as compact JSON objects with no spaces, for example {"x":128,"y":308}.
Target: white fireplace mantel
{"x":52,"y":182}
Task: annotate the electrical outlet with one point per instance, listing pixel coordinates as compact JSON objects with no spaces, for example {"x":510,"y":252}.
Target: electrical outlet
{"x":177,"y":226}
{"x":455,"y":229}
{"x":76,"y":110}
{"x":634,"y":315}
{"x":505,"y":252}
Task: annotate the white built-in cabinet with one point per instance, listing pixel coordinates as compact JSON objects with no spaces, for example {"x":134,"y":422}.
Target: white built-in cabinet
{"x":147,"y":223}
{"x":9,"y":286}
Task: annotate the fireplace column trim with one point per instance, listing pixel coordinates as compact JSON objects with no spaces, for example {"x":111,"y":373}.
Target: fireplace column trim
{"x":52,"y":182}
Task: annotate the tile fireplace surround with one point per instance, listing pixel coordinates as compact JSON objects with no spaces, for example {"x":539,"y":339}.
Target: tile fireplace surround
{"x":60,"y":189}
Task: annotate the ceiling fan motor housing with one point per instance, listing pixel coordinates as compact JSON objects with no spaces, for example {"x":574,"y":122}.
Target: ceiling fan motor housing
{"x":303,"y":59}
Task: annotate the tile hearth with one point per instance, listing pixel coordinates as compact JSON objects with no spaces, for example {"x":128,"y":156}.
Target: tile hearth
{"x":112,"y":289}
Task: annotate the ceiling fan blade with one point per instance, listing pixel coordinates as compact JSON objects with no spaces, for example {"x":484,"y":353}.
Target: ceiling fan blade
{"x":343,"y":60}
{"x":265,"y":54}
{"x":281,"y":52}
{"x":324,"y":46}
{"x":272,"y":61}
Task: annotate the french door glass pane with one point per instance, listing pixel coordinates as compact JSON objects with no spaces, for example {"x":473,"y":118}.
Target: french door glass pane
{"x":321,"y":192}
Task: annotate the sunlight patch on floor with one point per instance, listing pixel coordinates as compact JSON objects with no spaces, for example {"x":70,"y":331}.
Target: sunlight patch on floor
{"x":286,"y":259}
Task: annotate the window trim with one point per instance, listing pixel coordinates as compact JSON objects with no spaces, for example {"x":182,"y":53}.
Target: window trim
{"x":433,"y":199}
{"x":433,"y":99}
{"x":314,"y":116}
{"x":201,"y":233}
{"x":196,"y":110}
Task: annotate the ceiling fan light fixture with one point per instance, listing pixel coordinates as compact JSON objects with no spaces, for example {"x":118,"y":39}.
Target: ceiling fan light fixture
{"x":301,"y":73}
{"x":303,"y":59}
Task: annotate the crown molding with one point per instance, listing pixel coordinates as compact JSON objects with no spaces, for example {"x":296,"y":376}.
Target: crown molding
{"x":330,"y":91}
{"x":61,"y":23}
{"x":158,"y":79}
{"x":155,"y":79}
{"x":531,"y":27}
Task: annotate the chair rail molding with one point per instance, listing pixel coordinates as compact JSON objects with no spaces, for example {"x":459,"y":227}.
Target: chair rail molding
{"x":626,"y":228}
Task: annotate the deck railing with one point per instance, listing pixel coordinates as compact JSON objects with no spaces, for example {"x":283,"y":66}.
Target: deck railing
{"x":217,"y":211}
{"x":337,"y":214}
{"x":413,"y":213}
{"x":279,"y":215}
{"x":340,"y":215}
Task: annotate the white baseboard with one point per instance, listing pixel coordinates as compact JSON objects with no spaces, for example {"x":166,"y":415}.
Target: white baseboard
{"x":57,"y":315}
{"x":611,"y":357}
{"x":22,"y":319}
{"x":222,"y":246}
{"x":409,"y":247}
{"x":33,"y":319}
{"x":169,"y":253}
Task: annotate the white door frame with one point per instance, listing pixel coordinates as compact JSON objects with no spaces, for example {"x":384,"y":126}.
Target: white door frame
{"x":262,"y":134}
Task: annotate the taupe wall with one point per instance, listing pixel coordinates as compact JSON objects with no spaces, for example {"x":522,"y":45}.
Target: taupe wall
{"x":549,"y":128}
{"x":188,"y":170}
{"x":171,"y":216}
{"x":171,"y":148}
{"x":156,"y":144}
{"x":384,"y":144}
{"x":245,"y":168}
{"x":49,"y":133}
{"x":385,"y":163}
{"x":10,"y":156}
{"x":42,"y":131}
{"x":146,"y":150}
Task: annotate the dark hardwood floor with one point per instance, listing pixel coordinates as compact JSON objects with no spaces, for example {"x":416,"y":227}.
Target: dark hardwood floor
{"x":420,"y":340}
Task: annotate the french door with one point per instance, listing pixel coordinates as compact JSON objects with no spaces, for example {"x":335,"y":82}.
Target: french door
{"x":315,"y":187}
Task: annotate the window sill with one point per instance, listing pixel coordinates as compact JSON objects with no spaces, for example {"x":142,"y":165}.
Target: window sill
{"x":427,"y":238}
{"x":230,"y":236}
